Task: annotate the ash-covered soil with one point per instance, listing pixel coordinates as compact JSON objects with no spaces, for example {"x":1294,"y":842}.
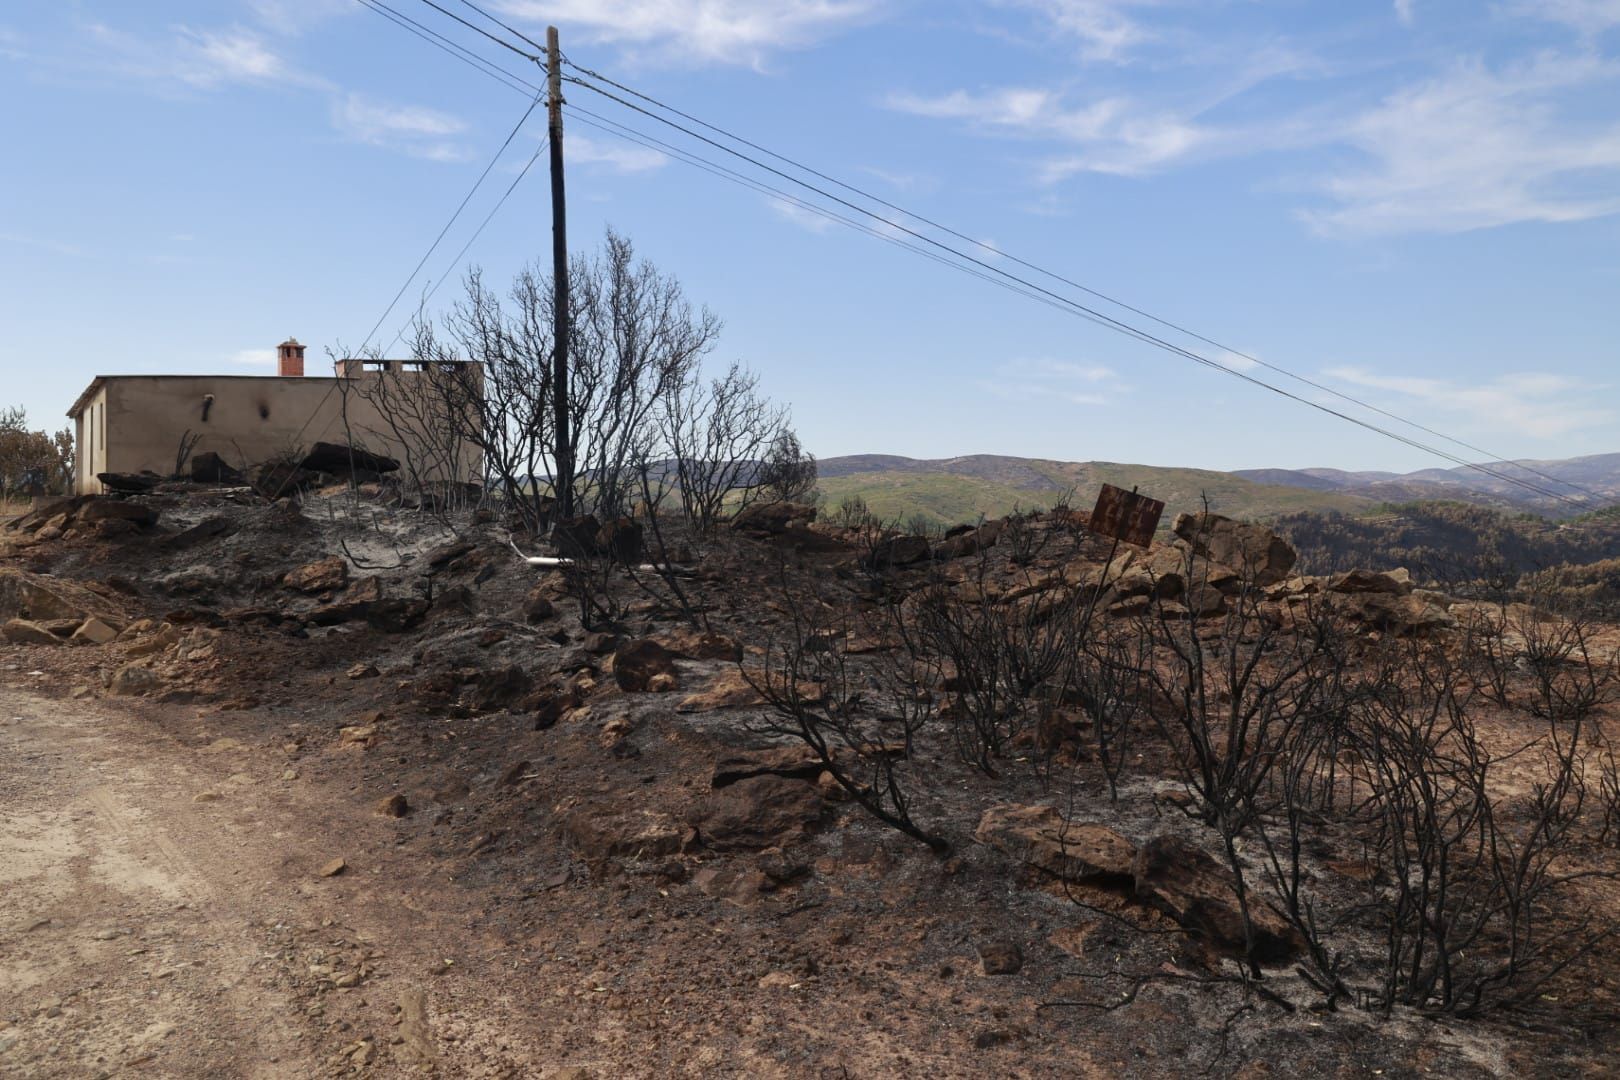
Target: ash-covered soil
{"x":336,"y":788}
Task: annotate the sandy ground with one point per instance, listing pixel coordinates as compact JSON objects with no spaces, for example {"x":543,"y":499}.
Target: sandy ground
{"x":159,"y":919}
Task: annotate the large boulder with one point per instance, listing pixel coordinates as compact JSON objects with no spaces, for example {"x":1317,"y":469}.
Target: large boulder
{"x":137,"y":514}
{"x":899,"y":551}
{"x":1252,"y":550}
{"x":970,"y":542}
{"x":575,"y":537}
{"x":24,"y":632}
{"x":773,"y":518}
{"x":324,"y":575}
{"x":45,"y":599}
{"x":1040,"y":837}
{"x":340,"y":460}
{"x":1388,"y":582}
{"x":643,"y":665}
{"x":622,"y":540}
{"x":758,"y":812}
{"x":1197,"y":891}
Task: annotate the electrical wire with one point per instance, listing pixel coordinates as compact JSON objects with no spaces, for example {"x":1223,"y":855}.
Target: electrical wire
{"x":1014,"y":283}
{"x":444,"y":44}
{"x":1053,"y":275}
{"x":1095,"y":315}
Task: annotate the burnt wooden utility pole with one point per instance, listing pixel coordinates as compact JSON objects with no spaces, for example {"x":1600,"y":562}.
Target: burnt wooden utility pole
{"x":563,"y":456}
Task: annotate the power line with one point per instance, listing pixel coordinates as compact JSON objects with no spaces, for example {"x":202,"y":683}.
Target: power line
{"x":454,"y":49}
{"x":544,"y":145}
{"x":1053,"y":275}
{"x":453,"y":217}
{"x":1030,"y":290}
{"x":1098,"y":316}
{"x":502,"y":42}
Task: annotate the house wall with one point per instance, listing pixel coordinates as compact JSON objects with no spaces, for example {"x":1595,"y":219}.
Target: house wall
{"x":136,"y":422}
{"x":90,"y":443}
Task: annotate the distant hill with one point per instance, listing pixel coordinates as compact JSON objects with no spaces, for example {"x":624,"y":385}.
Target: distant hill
{"x":952,"y":490}
{"x":1595,"y":480}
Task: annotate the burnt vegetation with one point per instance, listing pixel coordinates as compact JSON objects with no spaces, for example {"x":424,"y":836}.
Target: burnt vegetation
{"x":1358,"y":793}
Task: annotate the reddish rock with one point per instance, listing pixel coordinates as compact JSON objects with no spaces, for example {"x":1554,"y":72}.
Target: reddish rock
{"x":1197,"y":891}
{"x":1072,"y":851}
{"x":637,"y":663}
{"x":325,"y":575}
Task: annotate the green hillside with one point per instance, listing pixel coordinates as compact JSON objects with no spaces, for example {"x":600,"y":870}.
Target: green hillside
{"x":962,"y":489}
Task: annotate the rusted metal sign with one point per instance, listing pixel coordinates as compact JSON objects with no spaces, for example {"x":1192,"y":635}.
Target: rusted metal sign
{"x":1125,"y":515}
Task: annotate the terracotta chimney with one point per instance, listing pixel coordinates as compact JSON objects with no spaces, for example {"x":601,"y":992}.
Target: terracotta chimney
{"x":290,"y":359}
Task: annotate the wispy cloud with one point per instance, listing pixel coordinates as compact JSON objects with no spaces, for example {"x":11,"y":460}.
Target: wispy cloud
{"x":420,"y":132}
{"x":798,"y":215}
{"x":617,"y":157}
{"x":1406,"y":11}
{"x":296,"y":16}
{"x":1586,"y":16}
{"x":1104,"y":29}
{"x":1478,"y":147}
{"x":1042,"y":378}
{"x":1117,"y":135}
{"x":696,"y":32}
{"x":199,"y":59}
{"x":1541,"y":404}
{"x":11,"y":44}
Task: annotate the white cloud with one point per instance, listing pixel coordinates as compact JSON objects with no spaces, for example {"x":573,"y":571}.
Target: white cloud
{"x":199,"y":59}
{"x":1541,"y":404}
{"x":1233,"y":361}
{"x":1405,"y":11}
{"x":1045,"y":379}
{"x":1104,"y":28}
{"x":695,"y":31}
{"x":1478,"y":147}
{"x":296,"y":16}
{"x":11,"y":44}
{"x":417,"y":131}
{"x":1117,"y":135}
{"x":1586,"y":16}
{"x":619,"y":157}
{"x":798,"y":215}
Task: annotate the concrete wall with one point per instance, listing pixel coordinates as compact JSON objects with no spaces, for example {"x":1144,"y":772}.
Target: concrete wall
{"x":136,"y":422}
{"x":90,"y":443}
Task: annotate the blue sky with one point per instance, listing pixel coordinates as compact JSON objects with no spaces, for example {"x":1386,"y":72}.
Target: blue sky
{"x":1415,"y":202}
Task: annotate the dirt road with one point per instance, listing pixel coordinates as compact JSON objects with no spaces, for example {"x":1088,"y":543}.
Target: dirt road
{"x":163,"y":914}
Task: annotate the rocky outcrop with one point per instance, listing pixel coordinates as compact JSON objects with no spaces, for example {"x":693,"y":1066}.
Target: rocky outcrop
{"x":326,"y":575}
{"x":1253,"y":551}
{"x":643,"y":665}
{"x":759,"y":812}
{"x":1072,"y":851}
{"x":774,"y":518}
{"x":1195,"y":890}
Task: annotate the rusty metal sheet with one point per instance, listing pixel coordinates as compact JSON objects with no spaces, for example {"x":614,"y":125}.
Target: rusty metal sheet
{"x":1125,"y":515}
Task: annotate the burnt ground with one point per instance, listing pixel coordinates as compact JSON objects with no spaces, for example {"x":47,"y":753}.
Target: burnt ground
{"x":573,"y":900}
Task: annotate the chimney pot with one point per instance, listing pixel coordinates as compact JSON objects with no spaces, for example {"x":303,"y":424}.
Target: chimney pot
{"x":290,"y":359}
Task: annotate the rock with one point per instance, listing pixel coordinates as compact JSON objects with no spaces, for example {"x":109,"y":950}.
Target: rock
{"x":1000,"y":958}
{"x":333,"y":868}
{"x":326,"y":575}
{"x":209,"y":468}
{"x":135,"y":515}
{"x":357,"y":734}
{"x":396,"y":615}
{"x":134,"y":680}
{"x":1204,"y":600}
{"x":1197,"y":891}
{"x":1070,"y":851}
{"x":971,"y":542}
{"x":25,"y":632}
{"x":689,"y":644}
{"x":363,"y":670}
{"x":733,"y":885}
{"x":899,"y":551}
{"x":774,"y":518}
{"x":798,"y":762}
{"x":1391,"y":582}
{"x":445,"y":554}
{"x":551,"y":705}
{"x":394,"y":806}
{"x":514,"y":774}
{"x":1400,"y":615}
{"x":599,"y":832}
{"x":341,"y":460}
{"x":500,"y":688}
{"x":149,"y":642}
{"x":728,"y":690}
{"x":1252,"y":550}
{"x":600,"y":642}
{"x":208,"y":528}
{"x":759,"y":812}
{"x":622,"y":541}
{"x":94,"y":631}
{"x":537,"y":607}
{"x":576,"y":537}
{"x":129,"y":483}
{"x":638,"y":663}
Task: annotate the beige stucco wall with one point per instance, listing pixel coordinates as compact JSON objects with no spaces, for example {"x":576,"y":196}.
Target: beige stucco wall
{"x":90,"y":442}
{"x":136,"y":422}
